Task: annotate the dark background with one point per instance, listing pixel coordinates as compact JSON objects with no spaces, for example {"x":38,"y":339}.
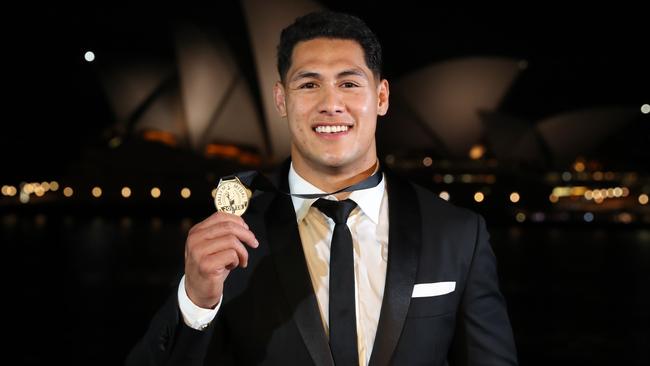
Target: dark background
{"x":86,"y":276}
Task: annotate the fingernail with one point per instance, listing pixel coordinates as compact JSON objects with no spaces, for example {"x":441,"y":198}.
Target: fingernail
{"x":257,"y":243}
{"x":246,"y":225}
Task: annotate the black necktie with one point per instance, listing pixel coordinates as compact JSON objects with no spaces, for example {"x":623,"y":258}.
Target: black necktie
{"x":342,"y":318}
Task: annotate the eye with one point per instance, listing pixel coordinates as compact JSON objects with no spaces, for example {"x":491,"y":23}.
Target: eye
{"x":349,"y":84}
{"x":309,"y":85}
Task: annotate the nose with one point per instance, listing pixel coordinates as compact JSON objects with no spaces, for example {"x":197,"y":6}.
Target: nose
{"x":331,"y":102}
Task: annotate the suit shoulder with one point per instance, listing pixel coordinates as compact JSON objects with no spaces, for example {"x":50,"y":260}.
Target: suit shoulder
{"x":431,"y":203}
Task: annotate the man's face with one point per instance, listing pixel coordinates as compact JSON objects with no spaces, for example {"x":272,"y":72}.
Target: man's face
{"x":331,"y":100}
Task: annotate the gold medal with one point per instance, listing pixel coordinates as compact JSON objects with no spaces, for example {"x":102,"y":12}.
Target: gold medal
{"x":232,"y":196}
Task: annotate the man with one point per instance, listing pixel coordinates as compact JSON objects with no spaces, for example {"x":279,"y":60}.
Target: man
{"x":422,"y":285}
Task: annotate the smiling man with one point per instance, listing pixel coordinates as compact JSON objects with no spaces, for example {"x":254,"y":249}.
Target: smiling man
{"x":343,"y":263}
{"x":331,"y":99}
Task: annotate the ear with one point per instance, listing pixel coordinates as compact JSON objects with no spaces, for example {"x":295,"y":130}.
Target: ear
{"x":382,"y":97}
{"x":279,"y":98}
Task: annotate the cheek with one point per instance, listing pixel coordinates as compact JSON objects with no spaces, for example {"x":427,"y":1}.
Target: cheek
{"x":366,"y":105}
{"x":366,"y":114}
{"x":293,"y":118}
{"x":298,"y":114}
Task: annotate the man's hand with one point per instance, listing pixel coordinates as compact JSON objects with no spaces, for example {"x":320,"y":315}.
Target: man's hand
{"x":215,"y":247}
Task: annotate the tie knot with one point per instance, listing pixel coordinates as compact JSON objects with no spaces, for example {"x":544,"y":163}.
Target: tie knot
{"x":336,"y":210}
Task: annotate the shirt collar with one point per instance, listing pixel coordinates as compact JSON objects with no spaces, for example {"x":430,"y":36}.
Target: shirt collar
{"x":368,"y":200}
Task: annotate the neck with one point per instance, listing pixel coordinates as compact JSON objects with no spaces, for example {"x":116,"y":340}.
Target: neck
{"x":331,"y":179}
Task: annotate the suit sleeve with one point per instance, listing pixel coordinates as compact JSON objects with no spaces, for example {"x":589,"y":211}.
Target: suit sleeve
{"x":168,"y":341}
{"x":483,"y":333}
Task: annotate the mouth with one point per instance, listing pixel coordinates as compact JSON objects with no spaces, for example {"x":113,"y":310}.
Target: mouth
{"x":331,"y":129}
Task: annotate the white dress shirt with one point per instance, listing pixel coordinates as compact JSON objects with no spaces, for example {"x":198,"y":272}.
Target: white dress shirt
{"x":368,"y":224}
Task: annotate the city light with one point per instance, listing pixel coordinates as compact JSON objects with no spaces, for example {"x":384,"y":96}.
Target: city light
{"x":126,"y":192}
{"x":155,"y":192}
{"x":514,"y":197}
{"x":186,"y":193}
{"x":625,"y":217}
{"x":476,"y":152}
{"x":89,"y":56}
{"x":115,"y":142}
{"x":39,"y":191}
{"x":28,"y":188}
{"x":643,"y":199}
{"x":579,"y":166}
{"x":645,"y":109}
{"x":570,"y":193}
{"x":598,"y":176}
{"x":538,"y":217}
{"x":97,"y":192}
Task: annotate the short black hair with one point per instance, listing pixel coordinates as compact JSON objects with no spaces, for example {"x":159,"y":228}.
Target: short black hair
{"x":329,"y":24}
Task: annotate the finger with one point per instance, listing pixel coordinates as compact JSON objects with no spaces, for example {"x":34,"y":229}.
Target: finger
{"x":228,"y":228}
{"x":218,"y":217}
{"x":223,"y":244}
{"x":224,"y":260}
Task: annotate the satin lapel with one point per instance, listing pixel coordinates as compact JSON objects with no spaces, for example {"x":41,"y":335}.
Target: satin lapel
{"x":404,"y":240}
{"x":289,"y":259}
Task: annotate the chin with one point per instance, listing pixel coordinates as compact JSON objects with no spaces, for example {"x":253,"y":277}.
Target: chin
{"x":332,"y":161}
{"x":340,"y":163}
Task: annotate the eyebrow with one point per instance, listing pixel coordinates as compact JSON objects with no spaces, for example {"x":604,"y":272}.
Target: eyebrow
{"x":306,"y":75}
{"x":315,"y":75}
{"x":352,"y":72}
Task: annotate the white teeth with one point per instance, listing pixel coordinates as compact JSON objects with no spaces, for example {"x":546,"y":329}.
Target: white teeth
{"x":331,"y":129}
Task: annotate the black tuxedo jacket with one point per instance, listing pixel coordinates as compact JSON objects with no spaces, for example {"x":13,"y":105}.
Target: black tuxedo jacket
{"x":269,"y":313}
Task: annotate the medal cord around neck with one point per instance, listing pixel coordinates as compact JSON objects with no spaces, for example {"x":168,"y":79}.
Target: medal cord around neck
{"x":257,"y":181}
